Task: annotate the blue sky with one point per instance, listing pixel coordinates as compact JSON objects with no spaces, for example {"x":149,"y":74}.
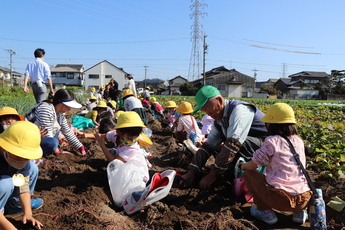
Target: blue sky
{"x":275,"y":37}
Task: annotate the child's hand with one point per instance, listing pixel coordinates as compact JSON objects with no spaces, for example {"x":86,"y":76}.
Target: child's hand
{"x":248,"y":165}
{"x":98,"y":138}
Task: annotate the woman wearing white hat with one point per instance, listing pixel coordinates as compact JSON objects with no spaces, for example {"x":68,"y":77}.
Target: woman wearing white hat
{"x":51,"y":116}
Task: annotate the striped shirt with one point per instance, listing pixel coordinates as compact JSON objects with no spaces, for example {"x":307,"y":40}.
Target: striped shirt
{"x":44,"y":115}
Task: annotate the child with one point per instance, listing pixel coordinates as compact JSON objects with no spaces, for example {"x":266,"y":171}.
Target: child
{"x":132,"y":103}
{"x":19,"y":144}
{"x":156,"y":108}
{"x":8,"y":116}
{"x":171,"y":113}
{"x":207,"y":123}
{"x":93,"y":103}
{"x":95,"y":113}
{"x":128,"y":128}
{"x":283,"y":187}
{"x":187,"y":123}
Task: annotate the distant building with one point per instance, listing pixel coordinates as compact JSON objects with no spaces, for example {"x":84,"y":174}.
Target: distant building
{"x":101,"y":73}
{"x":175,"y":83}
{"x":154,"y":83}
{"x":230,"y":83}
{"x":68,"y":74}
{"x":5,"y":76}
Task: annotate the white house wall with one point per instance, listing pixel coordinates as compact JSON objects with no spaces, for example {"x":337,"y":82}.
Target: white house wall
{"x":103,"y":69}
{"x":234,"y":91}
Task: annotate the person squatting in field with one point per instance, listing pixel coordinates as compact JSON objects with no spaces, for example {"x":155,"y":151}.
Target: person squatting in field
{"x":50,"y":115}
{"x":19,"y":145}
{"x":284,"y":186}
{"x":237,"y":125}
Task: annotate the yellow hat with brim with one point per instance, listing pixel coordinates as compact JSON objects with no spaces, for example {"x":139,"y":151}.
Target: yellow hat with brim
{"x":93,"y":89}
{"x":129,"y":119}
{"x":22,"y":139}
{"x":102,"y":104}
{"x":170,"y":104}
{"x":10,"y":111}
{"x":279,"y":113}
{"x":144,"y":140}
{"x":113,"y":103}
{"x":127,"y":92}
{"x":93,"y":98}
{"x":118,"y":113}
{"x":185,"y":107}
{"x":152,"y":99}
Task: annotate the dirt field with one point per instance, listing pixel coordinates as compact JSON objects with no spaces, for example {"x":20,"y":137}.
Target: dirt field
{"x":77,"y":196}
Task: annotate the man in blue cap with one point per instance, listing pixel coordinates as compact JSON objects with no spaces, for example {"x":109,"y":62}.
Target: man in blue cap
{"x":237,"y":129}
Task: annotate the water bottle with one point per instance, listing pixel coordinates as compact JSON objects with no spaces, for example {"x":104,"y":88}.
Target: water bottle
{"x":317,"y":212}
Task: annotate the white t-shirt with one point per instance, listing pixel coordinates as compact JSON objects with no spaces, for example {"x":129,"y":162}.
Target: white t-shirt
{"x":131,"y":103}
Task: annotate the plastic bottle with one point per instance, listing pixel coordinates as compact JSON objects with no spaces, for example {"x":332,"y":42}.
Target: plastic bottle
{"x":317,"y":212}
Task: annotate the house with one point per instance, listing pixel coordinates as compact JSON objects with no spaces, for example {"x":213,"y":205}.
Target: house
{"x":175,"y":83}
{"x":5,"y":76}
{"x":302,"y":85}
{"x":154,"y":83}
{"x":68,"y":74}
{"x":101,"y":73}
{"x":230,"y":83}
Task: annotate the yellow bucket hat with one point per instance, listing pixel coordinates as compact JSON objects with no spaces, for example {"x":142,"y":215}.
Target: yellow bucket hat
{"x":144,"y":140}
{"x":101,"y":104}
{"x":10,"y":111}
{"x":118,"y":113}
{"x":127,"y":92}
{"x":22,"y":139}
{"x":113,"y":103}
{"x":185,"y":107}
{"x":129,"y":119}
{"x":279,"y":113}
{"x":152,"y":99}
{"x":93,"y":98}
{"x":171,"y":104}
{"x":93,"y":89}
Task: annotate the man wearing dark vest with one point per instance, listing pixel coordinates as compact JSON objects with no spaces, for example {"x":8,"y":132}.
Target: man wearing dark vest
{"x":237,"y":132}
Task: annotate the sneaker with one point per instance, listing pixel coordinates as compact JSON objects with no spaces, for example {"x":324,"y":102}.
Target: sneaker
{"x":268,"y":218}
{"x":36,"y":203}
{"x":300,"y":217}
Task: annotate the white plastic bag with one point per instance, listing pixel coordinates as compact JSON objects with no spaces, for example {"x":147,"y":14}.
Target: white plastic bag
{"x":125,"y":178}
{"x":158,"y":189}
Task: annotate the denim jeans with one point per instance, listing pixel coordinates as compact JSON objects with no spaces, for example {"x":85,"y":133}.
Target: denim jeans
{"x":49,"y":144}
{"x":7,"y":191}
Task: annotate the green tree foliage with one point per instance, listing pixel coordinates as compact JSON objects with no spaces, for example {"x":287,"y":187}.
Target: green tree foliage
{"x":189,"y":89}
{"x":269,"y":89}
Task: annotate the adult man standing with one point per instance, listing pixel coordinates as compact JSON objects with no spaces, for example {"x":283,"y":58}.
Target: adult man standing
{"x":237,"y":130}
{"x":131,"y":84}
{"x":39,"y":73}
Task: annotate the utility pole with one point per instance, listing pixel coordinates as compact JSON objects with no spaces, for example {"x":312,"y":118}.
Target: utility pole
{"x":255,"y":70}
{"x":204,"y":60}
{"x":11,"y":52}
{"x":145,"y":66}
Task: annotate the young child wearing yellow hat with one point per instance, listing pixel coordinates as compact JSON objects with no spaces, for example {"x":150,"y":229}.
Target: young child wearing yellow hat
{"x":127,"y":137}
{"x":19,"y":144}
{"x":187,"y":123}
{"x":171,"y":113}
{"x":156,"y":108}
{"x":94,"y":114}
{"x":284,"y":182}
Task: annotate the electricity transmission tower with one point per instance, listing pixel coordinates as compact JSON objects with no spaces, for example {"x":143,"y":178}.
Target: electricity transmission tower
{"x":197,"y":38}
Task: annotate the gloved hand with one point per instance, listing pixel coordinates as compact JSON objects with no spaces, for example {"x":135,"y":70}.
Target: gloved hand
{"x":82,"y":150}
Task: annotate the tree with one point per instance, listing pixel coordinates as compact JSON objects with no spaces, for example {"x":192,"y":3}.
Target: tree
{"x":269,"y":89}
{"x":189,"y":89}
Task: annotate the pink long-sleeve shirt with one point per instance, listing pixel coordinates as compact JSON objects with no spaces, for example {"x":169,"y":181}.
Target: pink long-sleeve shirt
{"x":282,"y":171}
